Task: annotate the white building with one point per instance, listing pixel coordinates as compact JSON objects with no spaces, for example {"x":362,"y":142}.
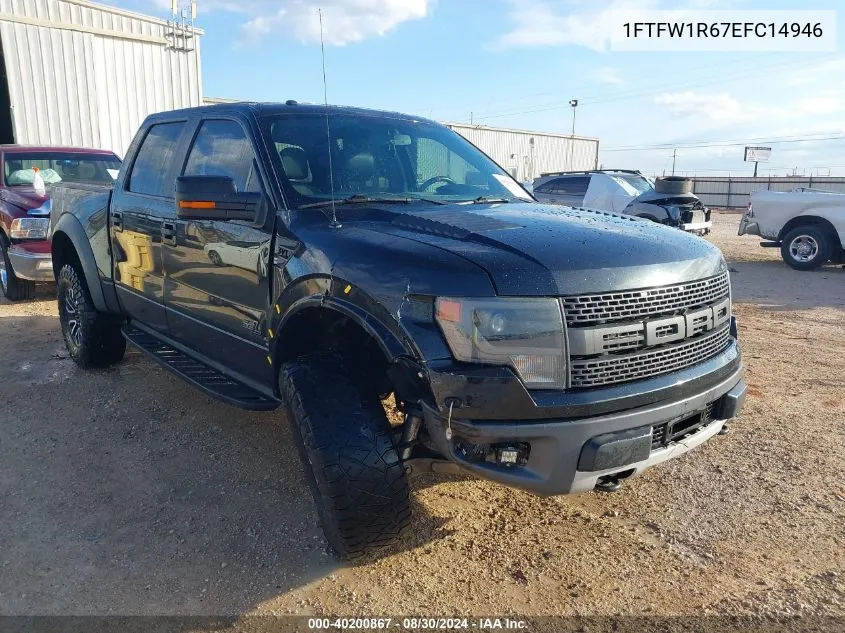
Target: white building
{"x":526,"y":154}
{"x":73,"y":72}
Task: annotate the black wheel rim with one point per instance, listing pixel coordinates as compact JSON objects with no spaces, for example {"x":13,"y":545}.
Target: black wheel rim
{"x":71,"y":316}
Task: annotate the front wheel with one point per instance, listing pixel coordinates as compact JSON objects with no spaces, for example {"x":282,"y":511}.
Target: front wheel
{"x":93,"y":339}
{"x":356,"y":476}
{"x":806,"y":247}
{"x":14,"y":288}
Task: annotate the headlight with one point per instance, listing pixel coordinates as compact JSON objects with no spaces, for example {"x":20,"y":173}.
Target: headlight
{"x":525,"y":334}
{"x":29,"y":228}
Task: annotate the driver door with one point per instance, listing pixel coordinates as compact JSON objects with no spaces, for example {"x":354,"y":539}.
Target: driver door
{"x":217,"y":291}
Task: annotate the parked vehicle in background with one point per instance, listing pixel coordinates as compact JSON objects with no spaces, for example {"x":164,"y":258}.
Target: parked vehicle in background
{"x":402,"y":261}
{"x":246,"y":255}
{"x":25,"y":207}
{"x":806,"y":224}
{"x":666,"y":200}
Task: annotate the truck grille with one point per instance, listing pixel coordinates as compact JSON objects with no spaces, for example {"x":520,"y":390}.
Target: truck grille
{"x":585,"y":310}
{"x":612,"y":369}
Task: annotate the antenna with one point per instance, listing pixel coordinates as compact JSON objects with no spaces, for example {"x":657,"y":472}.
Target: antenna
{"x":334,"y":223}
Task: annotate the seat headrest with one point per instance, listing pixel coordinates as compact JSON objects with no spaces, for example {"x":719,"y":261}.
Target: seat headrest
{"x":361,"y":167}
{"x":295,"y":163}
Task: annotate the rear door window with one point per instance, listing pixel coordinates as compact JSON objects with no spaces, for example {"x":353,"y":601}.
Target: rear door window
{"x":574,"y":186}
{"x":221,"y":148}
{"x":155,"y":157}
{"x":566,"y":185}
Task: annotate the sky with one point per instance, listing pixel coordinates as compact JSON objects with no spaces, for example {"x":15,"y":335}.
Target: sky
{"x":517,"y":63}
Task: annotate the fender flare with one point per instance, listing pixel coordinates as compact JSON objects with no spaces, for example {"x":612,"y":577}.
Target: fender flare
{"x":391,"y":345}
{"x":72,"y":229}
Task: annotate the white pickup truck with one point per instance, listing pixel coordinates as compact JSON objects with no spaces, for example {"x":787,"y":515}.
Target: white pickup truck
{"x":808,"y":225}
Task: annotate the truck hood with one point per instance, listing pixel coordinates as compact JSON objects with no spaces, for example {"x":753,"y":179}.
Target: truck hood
{"x":25,"y":198}
{"x":535,"y":249}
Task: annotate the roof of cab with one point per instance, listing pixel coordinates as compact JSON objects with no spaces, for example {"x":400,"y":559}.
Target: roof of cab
{"x":20,"y":149}
{"x":290,"y":107}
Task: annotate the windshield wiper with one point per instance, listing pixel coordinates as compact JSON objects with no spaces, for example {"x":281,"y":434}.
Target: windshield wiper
{"x":486,"y":200}
{"x":357,"y":199}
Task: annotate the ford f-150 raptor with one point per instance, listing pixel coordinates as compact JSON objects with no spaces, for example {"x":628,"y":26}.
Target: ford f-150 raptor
{"x":547,"y":348}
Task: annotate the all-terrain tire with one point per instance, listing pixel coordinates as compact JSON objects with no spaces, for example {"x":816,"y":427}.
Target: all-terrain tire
{"x":806,"y":247}
{"x":14,"y":288}
{"x":93,"y":338}
{"x":357,"y":479}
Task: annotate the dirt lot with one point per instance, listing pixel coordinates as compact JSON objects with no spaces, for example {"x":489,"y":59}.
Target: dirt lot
{"x":126,"y":491}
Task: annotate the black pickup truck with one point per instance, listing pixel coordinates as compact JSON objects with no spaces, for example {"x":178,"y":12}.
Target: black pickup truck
{"x":323,"y":258}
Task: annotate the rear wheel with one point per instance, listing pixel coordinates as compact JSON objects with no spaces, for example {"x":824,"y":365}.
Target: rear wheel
{"x":806,"y":247}
{"x":93,"y":339}
{"x":215,"y":258}
{"x":357,"y":479}
{"x":14,"y":288}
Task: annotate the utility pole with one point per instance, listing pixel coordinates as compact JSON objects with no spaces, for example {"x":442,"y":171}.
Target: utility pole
{"x":574,"y":104}
{"x":674,"y":156}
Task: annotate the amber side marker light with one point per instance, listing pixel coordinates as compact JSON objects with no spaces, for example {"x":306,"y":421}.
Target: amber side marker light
{"x":448,"y":310}
{"x":196,"y":204}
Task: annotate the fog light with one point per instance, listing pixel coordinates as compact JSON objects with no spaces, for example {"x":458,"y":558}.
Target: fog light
{"x":508,"y":455}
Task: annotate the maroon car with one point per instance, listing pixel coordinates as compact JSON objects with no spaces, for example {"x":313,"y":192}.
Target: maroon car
{"x":25,"y":207}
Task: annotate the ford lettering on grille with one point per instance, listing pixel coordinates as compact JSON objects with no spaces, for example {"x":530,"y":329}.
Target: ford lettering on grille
{"x":621,"y":336}
{"x":601,"y":339}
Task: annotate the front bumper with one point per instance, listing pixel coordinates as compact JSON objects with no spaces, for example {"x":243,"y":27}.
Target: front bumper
{"x":697,"y":226}
{"x":747,"y":226}
{"x":568,"y":441}
{"x":30,"y":265}
{"x":556,"y":458}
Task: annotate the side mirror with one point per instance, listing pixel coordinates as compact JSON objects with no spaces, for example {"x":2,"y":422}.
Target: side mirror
{"x":214,"y":198}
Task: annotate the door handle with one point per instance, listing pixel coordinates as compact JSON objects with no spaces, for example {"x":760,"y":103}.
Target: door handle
{"x":168,"y":233}
{"x":117,"y":220}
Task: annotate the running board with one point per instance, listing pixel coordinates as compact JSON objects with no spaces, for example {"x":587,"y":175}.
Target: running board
{"x":206,"y":378}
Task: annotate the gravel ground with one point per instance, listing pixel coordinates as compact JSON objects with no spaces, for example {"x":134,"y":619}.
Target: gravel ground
{"x":127,"y":492}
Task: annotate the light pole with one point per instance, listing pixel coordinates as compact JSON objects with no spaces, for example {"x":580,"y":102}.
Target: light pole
{"x":574,"y":104}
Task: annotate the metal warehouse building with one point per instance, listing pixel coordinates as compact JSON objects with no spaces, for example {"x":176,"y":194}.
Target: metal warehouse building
{"x":73,"y":72}
{"x":526,"y":154}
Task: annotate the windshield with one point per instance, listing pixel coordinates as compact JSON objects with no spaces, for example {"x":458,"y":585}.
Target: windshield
{"x":380,"y":157}
{"x":59,"y":167}
{"x":640,"y":183}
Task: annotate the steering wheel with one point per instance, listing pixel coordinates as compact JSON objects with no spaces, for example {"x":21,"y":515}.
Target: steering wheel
{"x":433,"y":180}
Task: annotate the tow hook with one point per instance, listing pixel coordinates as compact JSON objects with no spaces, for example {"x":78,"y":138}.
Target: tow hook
{"x":608,"y":483}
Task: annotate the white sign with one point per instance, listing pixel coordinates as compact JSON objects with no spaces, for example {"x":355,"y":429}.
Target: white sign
{"x":758,"y":154}
{"x":710,"y":30}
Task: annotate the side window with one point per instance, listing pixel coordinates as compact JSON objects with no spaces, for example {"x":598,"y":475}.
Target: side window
{"x":550,"y":186}
{"x":577,"y":186}
{"x":154,"y":157}
{"x":556,"y":185}
{"x":569,"y":185}
{"x":221,"y":148}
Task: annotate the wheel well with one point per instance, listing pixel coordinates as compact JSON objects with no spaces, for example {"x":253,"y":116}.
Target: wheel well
{"x":63,"y":252}
{"x":648,"y":216}
{"x":812,"y":220}
{"x":320,"y":329}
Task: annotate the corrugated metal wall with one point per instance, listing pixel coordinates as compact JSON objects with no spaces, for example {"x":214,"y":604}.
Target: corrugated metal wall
{"x":732,"y":192}
{"x":513,"y":150}
{"x":86,"y":75}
